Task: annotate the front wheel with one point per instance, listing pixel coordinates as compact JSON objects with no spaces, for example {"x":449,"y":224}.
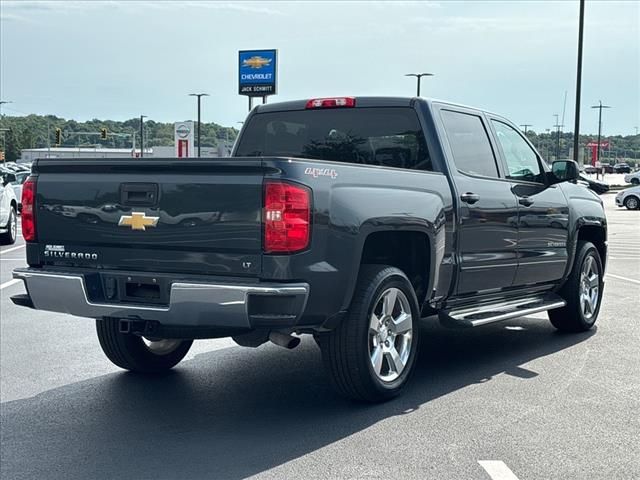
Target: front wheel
{"x":371,"y":355}
{"x":582,"y":292}
{"x":631,"y":202}
{"x":139,"y":354}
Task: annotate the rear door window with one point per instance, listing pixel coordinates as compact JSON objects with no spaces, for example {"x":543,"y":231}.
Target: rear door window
{"x":388,"y":136}
{"x":472,"y":152}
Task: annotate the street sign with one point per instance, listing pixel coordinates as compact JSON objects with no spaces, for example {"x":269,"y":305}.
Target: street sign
{"x":183,"y":135}
{"x":257,"y":72}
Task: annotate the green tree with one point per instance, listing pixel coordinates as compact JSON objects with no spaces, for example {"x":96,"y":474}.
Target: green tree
{"x":13,"y":145}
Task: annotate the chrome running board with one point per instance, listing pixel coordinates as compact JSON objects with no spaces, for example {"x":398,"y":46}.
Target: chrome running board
{"x":496,"y":312}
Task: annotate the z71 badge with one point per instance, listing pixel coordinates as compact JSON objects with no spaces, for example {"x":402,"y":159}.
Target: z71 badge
{"x":321,"y":172}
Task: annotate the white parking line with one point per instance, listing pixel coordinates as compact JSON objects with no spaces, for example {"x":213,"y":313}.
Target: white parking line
{"x":9,"y":283}
{"x":11,"y":249}
{"x":497,"y":470}
{"x":627,"y":279}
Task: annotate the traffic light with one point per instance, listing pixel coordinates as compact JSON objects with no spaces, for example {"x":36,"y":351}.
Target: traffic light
{"x":58,"y":136}
{"x":103,"y":133}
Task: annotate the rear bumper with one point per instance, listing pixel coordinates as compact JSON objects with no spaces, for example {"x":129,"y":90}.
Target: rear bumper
{"x":191,"y":304}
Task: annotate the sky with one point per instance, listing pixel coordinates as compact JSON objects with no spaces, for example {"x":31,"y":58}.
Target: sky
{"x":118,"y":60}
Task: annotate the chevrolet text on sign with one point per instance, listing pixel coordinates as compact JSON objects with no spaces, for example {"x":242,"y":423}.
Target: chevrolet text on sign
{"x":257,"y":72}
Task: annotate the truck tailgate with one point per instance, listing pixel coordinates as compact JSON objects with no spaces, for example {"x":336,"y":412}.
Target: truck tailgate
{"x":161,"y":215}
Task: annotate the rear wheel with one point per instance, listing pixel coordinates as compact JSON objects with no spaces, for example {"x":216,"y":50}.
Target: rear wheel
{"x":631,"y":202}
{"x":139,"y":354}
{"x":9,"y":238}
{"x":582,"y":292}
{"x":635,"y":181}
{"x":371,"y":355}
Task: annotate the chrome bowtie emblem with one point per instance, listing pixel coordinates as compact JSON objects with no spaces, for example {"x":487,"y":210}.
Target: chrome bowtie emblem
{"x":138,"y":221}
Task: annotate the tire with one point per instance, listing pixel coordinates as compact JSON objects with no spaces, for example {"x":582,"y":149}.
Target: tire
{"x":348,"y":351}
{"x":579,"y":315}
{"x":9,"y":238}
{"x":632,"y":202}
{"x":635,"y":181}
{"x":137,"y":354}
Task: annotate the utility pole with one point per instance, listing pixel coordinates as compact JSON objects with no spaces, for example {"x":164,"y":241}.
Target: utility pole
{"x":526,"y":126}
{"x":557,"y":126}
{"x":199,"y":95}
{"x":576,"y":128}
{"x":600,"y":106}
{"x":142,"y":117}
{"x":636,"y":130}
{"x":418,"y":78}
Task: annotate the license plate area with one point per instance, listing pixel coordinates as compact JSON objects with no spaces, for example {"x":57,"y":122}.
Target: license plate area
{"x":136,"y":289}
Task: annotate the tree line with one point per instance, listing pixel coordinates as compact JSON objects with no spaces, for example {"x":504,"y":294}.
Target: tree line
{"x":38,"y":131}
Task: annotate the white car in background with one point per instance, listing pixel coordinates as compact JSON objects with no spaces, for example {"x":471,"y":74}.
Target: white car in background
{"x":632,"y":178}
{"x":629,"y":198}
{"x":21,"y":177}
{"x":8,"y":210}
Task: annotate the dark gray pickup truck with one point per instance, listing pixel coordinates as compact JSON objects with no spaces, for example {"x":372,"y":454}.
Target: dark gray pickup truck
{"x":346,"y":218}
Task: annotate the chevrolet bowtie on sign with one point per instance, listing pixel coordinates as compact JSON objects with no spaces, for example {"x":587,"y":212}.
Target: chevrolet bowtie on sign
{"x":138,"y":221}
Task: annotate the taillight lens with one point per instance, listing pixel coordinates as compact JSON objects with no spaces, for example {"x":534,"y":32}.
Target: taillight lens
{"x":287,"y":217}
{"x":335,"y":102}
{"x":28,"y":210}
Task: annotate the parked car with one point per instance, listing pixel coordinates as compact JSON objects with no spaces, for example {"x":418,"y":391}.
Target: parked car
{"x":13,"y":167}
{"x":633,"y":178}
{"x":595,"y":185}
{"x":622,"y":168}
{"x":629,"y":198}
{"x":21,"y":177}
{"x":591,"y":169}
{"x":8,"y":210}
{"x":607,"y":168}
{"x":346,"y":218}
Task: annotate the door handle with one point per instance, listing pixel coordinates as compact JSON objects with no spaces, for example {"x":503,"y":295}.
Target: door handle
{"x":526,"y":201}
{"x":470,"y":198}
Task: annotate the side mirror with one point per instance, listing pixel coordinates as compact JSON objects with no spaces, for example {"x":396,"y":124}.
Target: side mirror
{"x":564,"y":171}
{"x":8,"y":178}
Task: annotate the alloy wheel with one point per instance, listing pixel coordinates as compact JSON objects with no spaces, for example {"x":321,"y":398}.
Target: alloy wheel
{"x":589,"y":287}
{"x":390,"y":334}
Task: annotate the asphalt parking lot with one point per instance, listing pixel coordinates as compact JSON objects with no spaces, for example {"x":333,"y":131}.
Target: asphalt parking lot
{"x":536,"y":403}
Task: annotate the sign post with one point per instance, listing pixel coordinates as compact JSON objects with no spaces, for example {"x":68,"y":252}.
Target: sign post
{"x":594,"y":150}
{"x":257,"y":74}
{"x":183,"y":135}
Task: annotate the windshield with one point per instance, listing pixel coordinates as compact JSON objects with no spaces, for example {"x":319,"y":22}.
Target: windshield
{"x":389,"y":136}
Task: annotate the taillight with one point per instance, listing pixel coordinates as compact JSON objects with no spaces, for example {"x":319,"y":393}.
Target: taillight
{"x":287,"y":217}
{"x":331,"y":102}
{"x":28,"y":210}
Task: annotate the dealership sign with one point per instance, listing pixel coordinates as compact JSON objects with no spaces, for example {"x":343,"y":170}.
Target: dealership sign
{"x":257,"y":72}
{"x":183,"y":136}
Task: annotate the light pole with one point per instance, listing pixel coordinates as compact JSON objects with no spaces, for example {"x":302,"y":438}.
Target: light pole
{"x":600,"y":106}
{"x":576,"y":128}
{"x":198,"y":95}
{"x":557,"y":126}
{"x":418,"y":78}
{"x":142,"y":117}
{"x":3,"y":102}
{"x":526,"y":126}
